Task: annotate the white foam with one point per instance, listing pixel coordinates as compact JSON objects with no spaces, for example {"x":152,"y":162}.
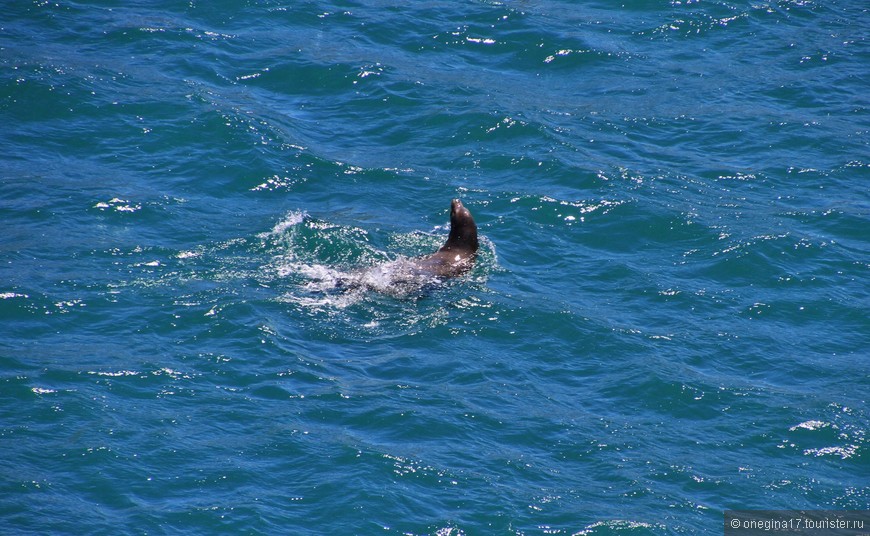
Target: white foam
{"x":120,"y":205}
{"x":114,"y":374}
{"x":810,"y":425}
{"x":290,"y":220}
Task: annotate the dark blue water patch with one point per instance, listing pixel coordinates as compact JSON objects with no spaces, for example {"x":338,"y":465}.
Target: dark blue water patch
{"x":300,"y":77}
{"x":837,"y":226}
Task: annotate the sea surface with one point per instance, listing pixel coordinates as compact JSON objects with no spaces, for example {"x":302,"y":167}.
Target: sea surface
{"x":669,"y":316}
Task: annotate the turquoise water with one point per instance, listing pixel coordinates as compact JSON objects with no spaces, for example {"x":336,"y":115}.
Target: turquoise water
{"x":668,"y":317}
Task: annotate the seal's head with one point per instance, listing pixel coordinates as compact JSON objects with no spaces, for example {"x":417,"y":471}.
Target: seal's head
{"x":463,"y":230}
{"x":457,"y":255}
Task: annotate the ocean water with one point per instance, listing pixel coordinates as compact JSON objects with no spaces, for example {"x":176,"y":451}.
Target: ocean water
{"x":668,"y":317}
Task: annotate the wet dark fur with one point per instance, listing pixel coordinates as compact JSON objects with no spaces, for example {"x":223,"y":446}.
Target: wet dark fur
{"x":409,"y":276}
{"x":457,"y":255}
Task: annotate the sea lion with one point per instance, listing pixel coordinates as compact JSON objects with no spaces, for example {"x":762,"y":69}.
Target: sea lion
{"x":406,"y":276}
{"x":457,"y":255}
